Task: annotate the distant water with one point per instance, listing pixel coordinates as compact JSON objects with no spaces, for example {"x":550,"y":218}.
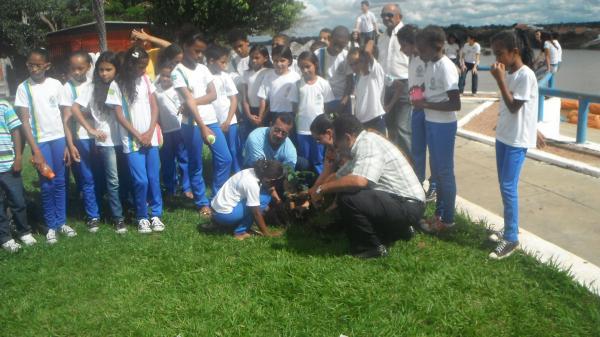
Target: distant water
{"x":580,"y":71}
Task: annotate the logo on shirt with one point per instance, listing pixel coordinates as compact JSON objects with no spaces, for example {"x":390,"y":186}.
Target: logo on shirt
{"x":53,"y":102}
{"x":420,"y":71}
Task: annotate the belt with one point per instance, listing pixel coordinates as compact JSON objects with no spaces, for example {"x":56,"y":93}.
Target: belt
{"x":408,"y":200}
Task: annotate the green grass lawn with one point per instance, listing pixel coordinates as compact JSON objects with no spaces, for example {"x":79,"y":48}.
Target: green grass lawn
{"x":182,"y":282}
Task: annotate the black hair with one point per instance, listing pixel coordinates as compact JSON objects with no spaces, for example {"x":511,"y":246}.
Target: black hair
{"x":516,"y":39}
{"x":100,"y":87}
{"x":347,"y":124}
{"x":128,"y":74}
{"x":189,"y":38}
{"x":166,"y":56}
{"x":408,"y":34}
{"x":321,"y":124}
{"x":317,"y":45}
{"x":452,"y":36}
{"x":285,"y":37}
{"x":83,"y":54}
{"x":555,"y":35}
{"x":285,"y":117}
{"x":268,"y":169}
{"x":432,"y":36}
{"x":363,"y":56}
{"x":546,"y":36}
{"x":471,"y":35}
{"x":283,"y":52}
{"x":326,"y":30}
{"x":43,"y":52}
{"x":264,"y":51}
{"x":215,"y":52}
{"x":365,"y":2}
{"x":237,"y":35}
{"x":311,"y":57}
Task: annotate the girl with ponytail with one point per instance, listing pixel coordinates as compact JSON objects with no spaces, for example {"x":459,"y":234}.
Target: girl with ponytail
{"x":516,"y":130}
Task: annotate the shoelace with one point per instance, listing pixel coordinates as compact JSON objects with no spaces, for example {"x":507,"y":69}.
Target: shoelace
{"x":501,"y":246}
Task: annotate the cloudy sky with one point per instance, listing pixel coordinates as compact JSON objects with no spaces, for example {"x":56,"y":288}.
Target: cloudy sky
{"x":329,"y":13}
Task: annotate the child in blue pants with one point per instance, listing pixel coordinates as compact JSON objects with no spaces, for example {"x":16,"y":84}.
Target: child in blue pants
{"x":38,"y":102}
{"x":134,"y":99}
{"x":516,"y":130}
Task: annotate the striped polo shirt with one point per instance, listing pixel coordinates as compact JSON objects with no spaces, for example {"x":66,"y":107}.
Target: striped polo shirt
{"x":8,"y":122}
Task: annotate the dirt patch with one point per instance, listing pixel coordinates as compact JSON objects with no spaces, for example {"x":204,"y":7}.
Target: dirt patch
{"x":485,"y":123}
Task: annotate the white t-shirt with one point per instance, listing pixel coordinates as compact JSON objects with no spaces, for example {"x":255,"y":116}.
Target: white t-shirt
{"x":104,"y":121}
{"x":137,"y":113}
{"x":225,"y":88}
{"x":369,"y":94}
{"x":253,"y":80}
{"x":44,"y":116}
{"x":72,"y":90}
{"x":440,"y":77}
{"x":239,"y":65}
{"x":416,"y":72}
{"x":470,"y":52}
{"x":276,"y":89}
{"x":311,"y":99}
{"x":451,"y":50}
{"x":393,"y":61}
{"x":559,"y":47}
{"x":366,"y":22}
{"x":519,"y":129}
{"x":553,"y":51}
{"x":243,"y":185}
{"x":168,"y":102}
{"x":335,"y":69}
{"x":197,"y":82}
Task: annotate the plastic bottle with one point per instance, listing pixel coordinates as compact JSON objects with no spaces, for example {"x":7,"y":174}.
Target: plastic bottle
{"x":46,"y":171}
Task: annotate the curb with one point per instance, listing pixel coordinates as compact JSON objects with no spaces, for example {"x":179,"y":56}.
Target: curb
{"x":582,"y":271}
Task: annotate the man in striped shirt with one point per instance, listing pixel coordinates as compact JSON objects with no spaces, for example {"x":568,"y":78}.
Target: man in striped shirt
{"x":379,"y":195}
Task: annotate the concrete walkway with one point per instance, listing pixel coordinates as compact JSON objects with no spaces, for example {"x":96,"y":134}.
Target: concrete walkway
{"x":559,"y":205}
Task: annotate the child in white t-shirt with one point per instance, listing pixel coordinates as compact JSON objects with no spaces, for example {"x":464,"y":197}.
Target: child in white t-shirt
{"x":441,"y":101}
{"x":469,"y":61}
{"x":173,"y":153}
{"x":452,"y":49}
{"x":37,"y":101}
{"x":226,"y":103}
{"x":104,"y":128}
{"x":79,"y":141}
{"x":310,"y":98}
{"x":260,"y":63}
{"x":240,"y":203}
{"x":133,"y":97}
{"x":369,"y":88}
{"x":276,"y":86}
{"x":517,"y":127}
{"x":195,"y":85}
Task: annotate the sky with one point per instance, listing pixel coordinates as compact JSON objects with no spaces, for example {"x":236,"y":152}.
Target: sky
{"x":330,"y":13}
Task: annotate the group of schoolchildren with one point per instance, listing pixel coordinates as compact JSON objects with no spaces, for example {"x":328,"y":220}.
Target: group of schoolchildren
{"x":132,"y":126}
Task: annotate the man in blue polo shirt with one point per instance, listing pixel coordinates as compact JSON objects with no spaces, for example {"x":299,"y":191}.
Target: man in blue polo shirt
{"x":272,"y":143}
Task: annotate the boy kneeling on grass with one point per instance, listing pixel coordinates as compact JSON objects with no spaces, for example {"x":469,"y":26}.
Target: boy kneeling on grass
{"x":243,"y":198}
{"x":11,"y":182}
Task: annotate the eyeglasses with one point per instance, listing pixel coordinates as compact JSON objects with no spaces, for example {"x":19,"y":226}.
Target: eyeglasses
{"x":280,"y":131}
{"x":35,"y":65}
{"x":387,"y":15}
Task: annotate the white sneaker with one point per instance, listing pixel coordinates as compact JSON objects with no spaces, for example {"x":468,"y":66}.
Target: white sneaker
{"x":11,"y":246}
{"x":157,"y":225}
{"x":144,"y":226}
{"x":51,"y":237}
{"x":68,"y":231}
{"x":28,"y":240}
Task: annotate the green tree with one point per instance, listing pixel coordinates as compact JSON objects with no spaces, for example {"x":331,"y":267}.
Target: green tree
{"x":218,"y":17}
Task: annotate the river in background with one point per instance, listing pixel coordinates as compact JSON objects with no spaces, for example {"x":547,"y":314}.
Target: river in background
{"x":579,"y":71}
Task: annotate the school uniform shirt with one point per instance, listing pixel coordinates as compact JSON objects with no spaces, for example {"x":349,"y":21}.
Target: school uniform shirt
{"x":276,"y":89}
{"x":470,"y":52}
{"x":553,"y":50}
{"x":451,"y":50}
{"x":369,"y":93}
{"x":416,"y":72}
{"x":8,"y":122}
{"x":237,"y":67}
{"x":335,"y":69}
{"x":42,"y":100}
{"x":197,"y":82}
{"x":258,"y":147}
{"x":366,"y":22}
{"x":168,"y":101}
{"x":253,"y":80}
{"x":225,"y":88}
{"x":393,"y":61}
{"x":72,"y":90}
{"x":520,"y":129}
{"x":243,"y":185}
{"x":440,"y":77}
{"x":138,"y":113}
{"x":103,"y":120}
{"x":560,"y":51}
{"x":311,"y":99}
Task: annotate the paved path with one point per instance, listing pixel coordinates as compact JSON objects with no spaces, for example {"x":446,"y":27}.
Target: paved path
{"x":559,"y":205}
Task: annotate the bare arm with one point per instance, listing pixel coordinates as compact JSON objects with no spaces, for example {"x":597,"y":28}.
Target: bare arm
{"x":260,"y":221}
{"x":71,"y":149}
{"x":192,"y":107}
{"x":118,"y":110}
{"x":148,"y":134}
{"x":76,"y":112}
{"x":499,"y":73}
{"x":246,"y":102}
{"x":211,"y":95}
{"x":18,"y":147}
{"x":453,"y":104}
{"x":142,"y":35}
{"x":232,"y":109}
{"x":37,"y":158}
{"x":262,"y":111}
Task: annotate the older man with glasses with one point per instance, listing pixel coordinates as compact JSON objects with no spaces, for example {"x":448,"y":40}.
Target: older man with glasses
{"x":395,"y":64}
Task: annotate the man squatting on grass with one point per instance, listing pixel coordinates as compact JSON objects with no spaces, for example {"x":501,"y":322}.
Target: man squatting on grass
{"x":378,"y":193}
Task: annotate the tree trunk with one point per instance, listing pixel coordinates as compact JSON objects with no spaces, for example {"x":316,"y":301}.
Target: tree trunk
{"x":98,"y":8}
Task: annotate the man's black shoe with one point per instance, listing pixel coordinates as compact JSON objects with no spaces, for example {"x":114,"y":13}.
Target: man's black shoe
{"x":379,"y":251}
